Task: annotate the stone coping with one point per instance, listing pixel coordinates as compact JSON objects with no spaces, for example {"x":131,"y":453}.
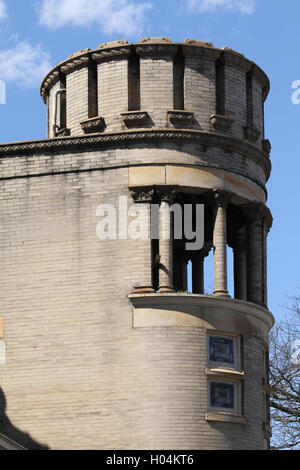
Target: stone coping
{"x":141,"y":135}
{"x":225,"y":417}
{"x":155,"y":47}
{"x":229,"y":374}
{"x":177,"y":301}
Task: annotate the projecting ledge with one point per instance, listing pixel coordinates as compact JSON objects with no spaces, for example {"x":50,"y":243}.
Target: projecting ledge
{"x":200,"y":311}
{"x":228,"y":418}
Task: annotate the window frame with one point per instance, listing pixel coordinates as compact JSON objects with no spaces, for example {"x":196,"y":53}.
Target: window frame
{"x":236,"y":366}
{"x":236,"y":410}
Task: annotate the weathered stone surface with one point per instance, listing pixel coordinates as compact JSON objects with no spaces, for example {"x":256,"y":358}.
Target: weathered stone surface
{"x":81,"y":352}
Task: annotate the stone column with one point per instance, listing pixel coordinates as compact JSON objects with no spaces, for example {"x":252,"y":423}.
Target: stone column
{"x":220,"y":243}
{"x":165,"y":241}
{"x":255,"y":213}
{"x":185,"y":262}
{"x":268,"y":221}
{"x":240,"y":267}
{"x":198,"y":269}
{"x":145,"y":196}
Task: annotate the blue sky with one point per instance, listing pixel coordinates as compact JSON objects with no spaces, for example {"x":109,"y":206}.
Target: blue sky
{"x":36,"y":34}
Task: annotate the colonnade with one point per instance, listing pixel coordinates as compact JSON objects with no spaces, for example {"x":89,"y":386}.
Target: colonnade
{"x":248,"y":243}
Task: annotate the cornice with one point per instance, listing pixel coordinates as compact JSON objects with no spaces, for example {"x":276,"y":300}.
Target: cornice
{"x":156,"y":50}
{"x":142,"y":135}
{"x":111,"y":54}
{"x":75,"y":64}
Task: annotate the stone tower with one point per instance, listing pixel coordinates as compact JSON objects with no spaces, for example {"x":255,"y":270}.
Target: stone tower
{"x":101,"y":348}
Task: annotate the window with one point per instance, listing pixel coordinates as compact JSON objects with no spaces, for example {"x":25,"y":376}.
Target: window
{"x":221,"y":349}
{"x":224,"y":396}
{"x":225,"y":377}
{"x":224,"y":351}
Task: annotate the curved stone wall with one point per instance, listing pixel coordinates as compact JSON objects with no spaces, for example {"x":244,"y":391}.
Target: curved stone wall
{"x":93,"y":361}
{"x":160,"y":84}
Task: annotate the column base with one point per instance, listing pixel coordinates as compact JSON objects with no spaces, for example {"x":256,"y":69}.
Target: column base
{"x":142,"y":290}
{"x":165,"y":289}
{"x":221,"y":293}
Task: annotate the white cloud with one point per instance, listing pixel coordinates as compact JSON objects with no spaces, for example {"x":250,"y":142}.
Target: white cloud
{"x":111,"y":16}
{"x":3,"y":12}
{"x":24,"y":64}
{"x":206,"y":6}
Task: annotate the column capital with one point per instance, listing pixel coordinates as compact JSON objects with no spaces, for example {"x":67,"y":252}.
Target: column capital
{"x":166,"y":194}
{"x":221,"y":198}
{"x":259,"y":212}
{"x":143,"y":194}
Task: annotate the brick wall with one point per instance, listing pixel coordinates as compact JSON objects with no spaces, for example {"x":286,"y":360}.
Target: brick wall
{"x":77,"y":374}
{"x":113,"y":92}
{"x":77,"y":99}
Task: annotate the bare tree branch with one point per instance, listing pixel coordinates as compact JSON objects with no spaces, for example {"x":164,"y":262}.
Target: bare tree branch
{"x":285,"y":380}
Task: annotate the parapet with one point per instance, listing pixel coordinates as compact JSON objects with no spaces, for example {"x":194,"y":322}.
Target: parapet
{"x":157,"y":84}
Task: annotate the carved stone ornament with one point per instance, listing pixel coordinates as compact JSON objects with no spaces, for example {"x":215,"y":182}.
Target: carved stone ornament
{"x":221,"y":123}
{"x":266,"y":146}
{"x":93,"y":125}
{"x":144,"y":194}
{"x":135,"y":118}
{"x":221,"y":197}
{"x":75,"y":64}
{"x":64,"y":132}
{"x":195,"y":42}
{"x":118,"y":53}
{"x":251,"y":133}
{"x":181,"y":117}
{"x":166,"y":194}
{"x":112,"y":44}
{"x":268,"y":220}
{"x":156,"y":40}
{"x":78,"y":53}
{"x":174,"y":135}
{"x":259,"y":212}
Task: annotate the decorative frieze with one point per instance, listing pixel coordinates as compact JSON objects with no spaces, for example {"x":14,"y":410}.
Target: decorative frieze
{"x":179,"y":135}
{"x":109,"y":54}
{"x":49,"y":82}
{"x":92,"y":125}
{"x":75,"y":64}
